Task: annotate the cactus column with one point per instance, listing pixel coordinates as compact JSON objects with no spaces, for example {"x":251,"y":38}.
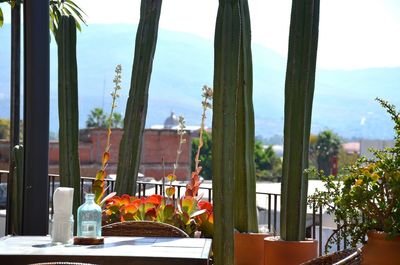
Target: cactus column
{"x":299,"y":91}
{"x":245,"y":177}
{"x":136,"y":108}
{"x":226,"y":76}
{"x":68,"y":106}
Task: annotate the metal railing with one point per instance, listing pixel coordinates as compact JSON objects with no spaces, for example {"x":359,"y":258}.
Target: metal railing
{"x":145,"y":188}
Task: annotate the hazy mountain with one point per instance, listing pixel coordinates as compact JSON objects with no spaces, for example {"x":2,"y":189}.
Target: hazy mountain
{"x":344,"y":100}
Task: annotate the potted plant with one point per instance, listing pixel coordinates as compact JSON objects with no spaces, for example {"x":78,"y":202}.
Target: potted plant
{"x":234,"y":183}
{"x":365,"y":201}
{"x":292,"y":247}
{"x":248,"y":241}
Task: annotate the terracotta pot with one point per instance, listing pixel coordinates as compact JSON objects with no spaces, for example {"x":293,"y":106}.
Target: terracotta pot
{"x":379,"y":250}
{"x":249,"y":248}
{"x":279,"y":252}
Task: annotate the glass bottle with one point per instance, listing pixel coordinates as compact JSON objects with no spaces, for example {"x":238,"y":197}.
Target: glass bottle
{"x":89,"y":218}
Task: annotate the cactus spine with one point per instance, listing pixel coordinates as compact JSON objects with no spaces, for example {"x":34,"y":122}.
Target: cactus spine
{"x":68,"y":106}
{"x":299,"y":91}
{"x":136,"y":108}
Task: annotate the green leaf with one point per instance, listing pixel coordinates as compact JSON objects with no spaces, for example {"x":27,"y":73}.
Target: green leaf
{"x":189,"y":204}
{"x":1,"y":17}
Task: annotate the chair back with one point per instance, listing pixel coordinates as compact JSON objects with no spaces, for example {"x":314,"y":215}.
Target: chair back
{"x":344,"y":257}
{"x":142,"y":229}
{"x":61,"y":262}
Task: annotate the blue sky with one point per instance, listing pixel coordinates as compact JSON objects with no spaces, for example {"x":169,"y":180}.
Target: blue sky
{"x":354,"y":34}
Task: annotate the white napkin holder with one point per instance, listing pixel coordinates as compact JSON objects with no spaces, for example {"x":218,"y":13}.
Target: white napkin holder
{"x":63,"y":221}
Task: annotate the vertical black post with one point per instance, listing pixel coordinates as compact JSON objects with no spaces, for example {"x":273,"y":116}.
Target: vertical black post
{"x":14,"y":101}
{"x":36,"y":117}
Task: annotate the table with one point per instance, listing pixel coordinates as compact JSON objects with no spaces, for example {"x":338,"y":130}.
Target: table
{"x":116,"y":250}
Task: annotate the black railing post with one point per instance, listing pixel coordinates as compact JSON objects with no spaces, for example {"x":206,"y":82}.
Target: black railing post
{"x":320,"y":230}
{"x":275,"y":211}
{"x":269,"y":196}
{"x":313,"y":221}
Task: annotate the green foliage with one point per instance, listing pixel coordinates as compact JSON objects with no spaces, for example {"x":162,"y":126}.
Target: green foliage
{"x":205,"y":155}
{"x":367,"y":196}
{"x":117,"y":121}
{"x":299,"y":92}
{"x":326,"y":147}
{"x":1,"y":18}
{"x":12,"y":3}
{"x":96,"y":119}
{"x":59,"y":8}
{"x":99,"y":119}
{"x":4,"y":129}
{"x":136,"y":107}
{"x":268,"y":164}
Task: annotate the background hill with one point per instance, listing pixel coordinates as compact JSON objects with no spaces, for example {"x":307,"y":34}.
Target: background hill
{"x":344,"y":100}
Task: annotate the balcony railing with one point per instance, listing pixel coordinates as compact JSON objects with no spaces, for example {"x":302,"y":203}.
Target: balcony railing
{"x":145,"y":188}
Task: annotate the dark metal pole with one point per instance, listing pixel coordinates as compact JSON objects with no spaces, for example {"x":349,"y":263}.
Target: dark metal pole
{"x":14,"y":101}
{"x":36,"y":117}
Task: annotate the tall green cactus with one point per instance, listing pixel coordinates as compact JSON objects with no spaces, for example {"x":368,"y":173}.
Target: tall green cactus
{"x":68,"y":106}
{"x":245,"y":177}
{"x":299,"y":91}
{"x":226,"y":76}
{"x":136,"y":108}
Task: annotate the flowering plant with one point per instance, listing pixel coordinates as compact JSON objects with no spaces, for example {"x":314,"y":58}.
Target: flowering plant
{"x":189,"y":213}
{"x":367,"y":196}
{"x":98,"y":187}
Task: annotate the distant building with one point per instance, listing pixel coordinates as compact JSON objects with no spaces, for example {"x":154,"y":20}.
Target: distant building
{"x":171,"y":122}
{"x":159,"y":143}
{"x":351,"y":148}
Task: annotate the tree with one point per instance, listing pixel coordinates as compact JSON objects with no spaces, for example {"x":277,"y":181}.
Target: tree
{"x":268,"y":164}
{"x":327,"y":148}
{"x":117,"y":120}
{"x":97,"y":119}
{"x":205,"y":155}
{"x":4,"y":129}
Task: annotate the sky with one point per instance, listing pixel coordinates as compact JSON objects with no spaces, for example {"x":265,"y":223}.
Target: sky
{"x":354,"y":34}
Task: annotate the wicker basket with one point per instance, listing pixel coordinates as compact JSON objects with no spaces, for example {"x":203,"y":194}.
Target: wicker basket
{"x":142,"y":229}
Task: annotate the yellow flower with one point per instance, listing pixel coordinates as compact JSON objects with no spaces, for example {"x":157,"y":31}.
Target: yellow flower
{"x":358,"y":182}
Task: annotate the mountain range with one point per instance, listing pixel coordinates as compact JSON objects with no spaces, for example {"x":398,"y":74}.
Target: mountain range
{"x":343,"y":101}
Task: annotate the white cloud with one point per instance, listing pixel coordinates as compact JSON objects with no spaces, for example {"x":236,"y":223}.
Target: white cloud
{"x":363,"y":120}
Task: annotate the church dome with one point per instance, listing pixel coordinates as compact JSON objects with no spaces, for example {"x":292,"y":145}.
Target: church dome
{"x":171,"y":121}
